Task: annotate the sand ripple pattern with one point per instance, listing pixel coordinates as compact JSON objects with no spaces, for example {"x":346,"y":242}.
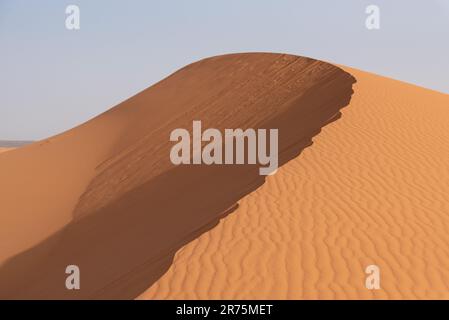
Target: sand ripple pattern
{"x":373,"y":189}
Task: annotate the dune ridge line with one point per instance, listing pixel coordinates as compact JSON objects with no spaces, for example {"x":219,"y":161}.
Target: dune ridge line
{"x":128,"y":209}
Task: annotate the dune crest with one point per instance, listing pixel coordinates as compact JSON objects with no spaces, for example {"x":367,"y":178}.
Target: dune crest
{"x":371,"y":190}
{"x":128,"y":209}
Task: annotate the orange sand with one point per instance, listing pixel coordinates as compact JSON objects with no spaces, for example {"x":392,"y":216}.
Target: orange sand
{"x":106,"y":197}
{"x":372,"y":189}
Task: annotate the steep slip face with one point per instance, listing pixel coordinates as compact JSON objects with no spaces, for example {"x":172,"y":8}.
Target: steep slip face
{"x":139,"y":208}
{"x":373,"y":189}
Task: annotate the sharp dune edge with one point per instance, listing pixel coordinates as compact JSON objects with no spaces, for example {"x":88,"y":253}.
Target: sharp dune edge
{"x":371,"y":190}
{"x":106,"y":197}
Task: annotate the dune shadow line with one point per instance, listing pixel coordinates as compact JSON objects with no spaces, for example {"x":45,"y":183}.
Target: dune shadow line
{"x":125,"y":246}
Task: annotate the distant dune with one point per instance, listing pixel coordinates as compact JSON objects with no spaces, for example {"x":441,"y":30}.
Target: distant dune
{"x":4,"y":149}
{"x":373,"y":189}
{"x":106,"y":197}
{"x":13,"y":144}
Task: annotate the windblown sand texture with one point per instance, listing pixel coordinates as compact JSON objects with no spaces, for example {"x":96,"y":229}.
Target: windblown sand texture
{"x":106,"y":197}
{"x":373,"y":189}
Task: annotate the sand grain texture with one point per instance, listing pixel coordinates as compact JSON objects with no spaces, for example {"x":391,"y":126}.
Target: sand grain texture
{"x":373,"y":189}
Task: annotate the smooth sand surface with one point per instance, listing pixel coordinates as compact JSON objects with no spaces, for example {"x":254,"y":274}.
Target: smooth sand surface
{"x":372,"y":189}
{"x":105,"y":196}
{"x":4,"y":149}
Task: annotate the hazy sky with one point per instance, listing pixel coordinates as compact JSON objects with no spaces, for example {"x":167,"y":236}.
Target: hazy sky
{"x":52,"y":79}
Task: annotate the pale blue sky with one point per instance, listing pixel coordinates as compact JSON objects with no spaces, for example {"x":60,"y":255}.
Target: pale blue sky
{"x":52,"y":79}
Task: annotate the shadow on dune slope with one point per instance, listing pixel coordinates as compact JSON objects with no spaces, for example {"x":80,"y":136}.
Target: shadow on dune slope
{"x":139,"y":209}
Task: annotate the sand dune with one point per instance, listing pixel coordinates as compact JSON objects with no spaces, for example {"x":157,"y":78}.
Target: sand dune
{"x":371,"y":190}
{"x":106,"y":197}
{"x":4,"y":149}
{"x":13,"y":144}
